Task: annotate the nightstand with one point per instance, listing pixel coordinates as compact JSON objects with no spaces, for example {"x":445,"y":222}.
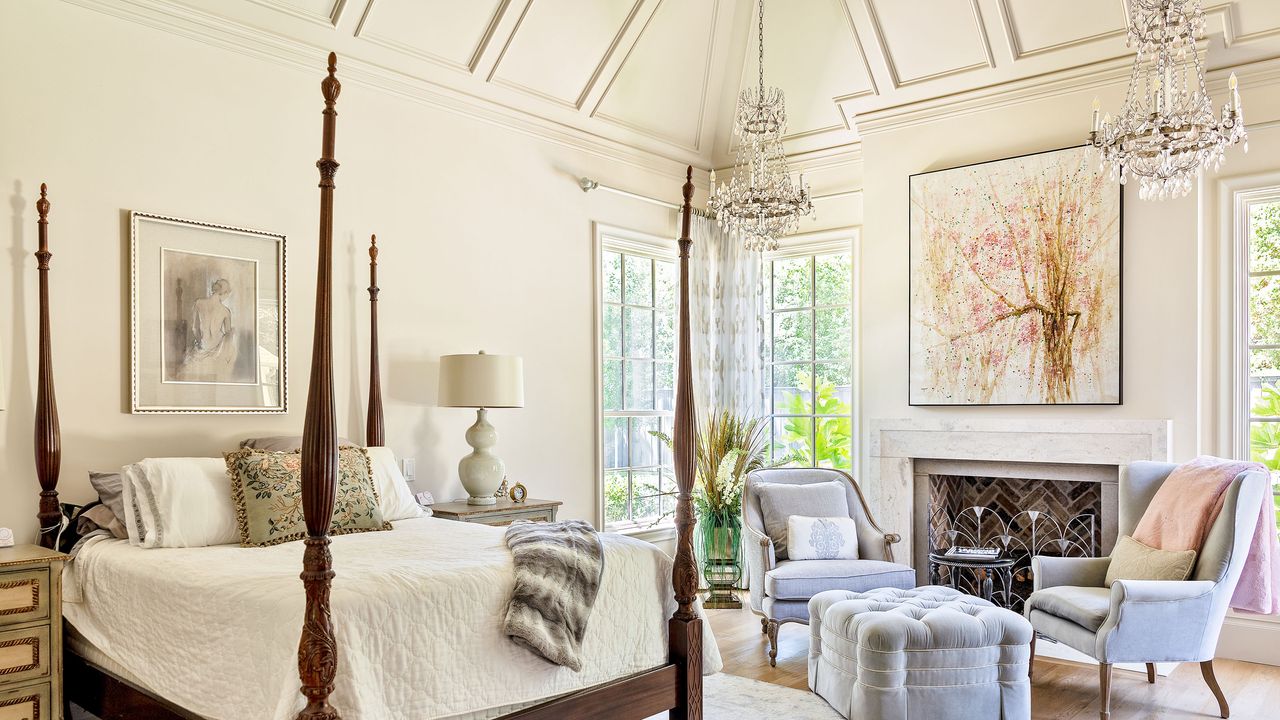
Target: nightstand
{"x":504,"y":512}
{"x":30,"y":633}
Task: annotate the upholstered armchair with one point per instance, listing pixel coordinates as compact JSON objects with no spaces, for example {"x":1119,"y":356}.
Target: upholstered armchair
{"x":1149,"y":621}
{"x":780,"y":588}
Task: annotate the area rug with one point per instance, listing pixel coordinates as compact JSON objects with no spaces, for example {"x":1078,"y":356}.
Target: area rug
{"x":729,"y":697}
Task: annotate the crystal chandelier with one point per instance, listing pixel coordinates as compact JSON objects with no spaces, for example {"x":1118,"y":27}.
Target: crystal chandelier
{"x":760,"y":203}
{"x":1167,"y":132}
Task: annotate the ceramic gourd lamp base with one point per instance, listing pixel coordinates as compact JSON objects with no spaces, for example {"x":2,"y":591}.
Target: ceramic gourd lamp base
{"x":481,"y":471}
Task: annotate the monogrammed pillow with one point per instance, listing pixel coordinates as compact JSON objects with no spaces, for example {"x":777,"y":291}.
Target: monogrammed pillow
{"x":267,"y":490}
{"x":822,"y":538}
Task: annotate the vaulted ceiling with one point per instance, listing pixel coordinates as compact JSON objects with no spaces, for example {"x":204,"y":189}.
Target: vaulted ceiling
{"x":662,"y":75}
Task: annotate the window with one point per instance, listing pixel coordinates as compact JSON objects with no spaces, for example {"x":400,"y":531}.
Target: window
{"x":809,"y":370}
{"x":1258,"y":223}
{"x":638,"y":287}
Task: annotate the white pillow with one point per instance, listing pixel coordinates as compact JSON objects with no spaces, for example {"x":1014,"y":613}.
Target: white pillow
{"x":183,"y":502}
{"x":822,"y":538}
{"x":394,"y":498}
{"x":132,"y":512}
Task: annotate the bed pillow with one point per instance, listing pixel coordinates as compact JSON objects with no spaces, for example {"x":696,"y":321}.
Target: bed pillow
{"x":110,"y":489}
{"x":394,"y":497}
{"x":1132,"y":560}
{"x":822,"y":538}
{"x":266,"y":488}
{"x":135,"y":528}
{"x":184,"y":502}
{"x":281,"y":443}
{"x":779,"y":501}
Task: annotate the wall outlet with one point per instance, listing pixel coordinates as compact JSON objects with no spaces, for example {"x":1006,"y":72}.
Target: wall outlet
{"x":409,"y":467}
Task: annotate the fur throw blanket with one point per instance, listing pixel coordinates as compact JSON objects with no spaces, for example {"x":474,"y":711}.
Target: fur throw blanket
{"x":558,"y":570}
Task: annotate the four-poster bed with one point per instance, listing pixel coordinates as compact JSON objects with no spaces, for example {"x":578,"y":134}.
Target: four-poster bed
{"x":673,"y":683}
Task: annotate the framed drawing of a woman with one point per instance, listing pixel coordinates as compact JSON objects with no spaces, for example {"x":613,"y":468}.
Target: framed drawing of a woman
{"x":207,"y":317}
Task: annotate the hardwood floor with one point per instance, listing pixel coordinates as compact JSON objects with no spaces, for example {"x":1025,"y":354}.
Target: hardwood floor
{"x":1060,"y":691}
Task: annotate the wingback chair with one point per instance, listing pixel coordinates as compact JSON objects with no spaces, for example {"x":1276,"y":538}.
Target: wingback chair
{"x":780,"y":589}
{"x":1149,"y":621}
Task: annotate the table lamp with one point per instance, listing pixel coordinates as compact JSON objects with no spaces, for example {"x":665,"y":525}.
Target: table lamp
{"x":481,"y":381}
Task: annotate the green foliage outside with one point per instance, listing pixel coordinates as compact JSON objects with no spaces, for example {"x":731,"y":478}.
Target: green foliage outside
{"x":830,"y":444}
{"x":1264,"y":437}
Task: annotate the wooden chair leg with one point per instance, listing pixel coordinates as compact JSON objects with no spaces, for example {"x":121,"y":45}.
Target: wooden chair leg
{"x":1104,"y":680}
{"x":1151,"y":673}
{"x":1206,"y":669}
{"x":773,"y":643}
{"x":764,"y":626}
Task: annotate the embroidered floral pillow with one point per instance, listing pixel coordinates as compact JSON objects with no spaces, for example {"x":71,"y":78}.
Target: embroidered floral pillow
{"x":267,"y":490}
{"x":822,"y":538}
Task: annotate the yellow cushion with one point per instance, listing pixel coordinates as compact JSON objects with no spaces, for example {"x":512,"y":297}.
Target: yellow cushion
{"x":1131,"y":560}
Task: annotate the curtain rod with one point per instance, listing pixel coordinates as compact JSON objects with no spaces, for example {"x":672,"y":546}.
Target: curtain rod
{"x":587,"y":185}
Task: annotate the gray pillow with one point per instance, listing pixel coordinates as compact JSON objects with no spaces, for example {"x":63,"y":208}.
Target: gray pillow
{"x":280,"y":443}
{"x":779,"y":501}
{"x":110,"y":489}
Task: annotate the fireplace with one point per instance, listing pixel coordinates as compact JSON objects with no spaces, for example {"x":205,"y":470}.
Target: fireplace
{"x":1020,"y":517}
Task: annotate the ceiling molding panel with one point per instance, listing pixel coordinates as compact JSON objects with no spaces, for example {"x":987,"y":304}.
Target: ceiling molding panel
{"x":324,"y":12}
{"x":924,"y":41}
{"x":559,"y":47}
{"x":661,"y":89}
{"x":449,"y":33}
{"x":1036,"y":27}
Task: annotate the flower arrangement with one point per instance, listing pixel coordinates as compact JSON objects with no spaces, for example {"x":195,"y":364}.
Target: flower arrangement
{"x":727,"y":448}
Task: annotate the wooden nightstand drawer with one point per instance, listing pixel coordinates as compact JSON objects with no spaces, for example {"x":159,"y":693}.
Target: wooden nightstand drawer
{"x":24,"y":654}
{"x":24,"y":596}
{"x":502,"y":513}
{"x":33,"y":702}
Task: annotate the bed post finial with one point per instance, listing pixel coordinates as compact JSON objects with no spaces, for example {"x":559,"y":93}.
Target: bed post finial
{"x":374,"y":429}
{"x":685,"y":627}
{"x":318,"y":648}
{"x":48,"y":434}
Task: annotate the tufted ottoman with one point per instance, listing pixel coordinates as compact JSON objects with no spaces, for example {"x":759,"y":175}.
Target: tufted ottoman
{"x":928,"y":653}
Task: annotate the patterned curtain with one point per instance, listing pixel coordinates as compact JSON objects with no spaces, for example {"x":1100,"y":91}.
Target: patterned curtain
{"x":726,"y":292}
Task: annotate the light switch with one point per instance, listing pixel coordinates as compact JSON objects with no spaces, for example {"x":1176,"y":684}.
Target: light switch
{"x":409,"y":467}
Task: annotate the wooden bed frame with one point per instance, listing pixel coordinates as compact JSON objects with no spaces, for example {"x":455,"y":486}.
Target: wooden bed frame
{"x":675,"y":686}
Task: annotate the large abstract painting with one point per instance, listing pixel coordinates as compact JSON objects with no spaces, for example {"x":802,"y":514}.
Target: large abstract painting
{"x":1015,"y":283}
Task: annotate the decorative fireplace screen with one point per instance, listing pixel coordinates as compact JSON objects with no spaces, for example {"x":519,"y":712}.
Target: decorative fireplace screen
{"x":1022,"y":518}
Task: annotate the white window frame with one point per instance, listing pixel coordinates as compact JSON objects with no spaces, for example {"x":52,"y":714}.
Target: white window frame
{"x":1241,"y":417}
{"x":609,"y":238}
{"x":825,"y":242}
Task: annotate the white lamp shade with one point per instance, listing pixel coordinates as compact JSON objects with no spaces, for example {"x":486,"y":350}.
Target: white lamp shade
{"x":482,"y":381}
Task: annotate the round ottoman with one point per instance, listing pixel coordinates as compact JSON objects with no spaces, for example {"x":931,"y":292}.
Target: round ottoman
{"x":928,"y":653}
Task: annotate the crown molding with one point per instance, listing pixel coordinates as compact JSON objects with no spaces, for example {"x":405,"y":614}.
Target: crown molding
{"x":1107,"y":73}
{"x":195,"y":24}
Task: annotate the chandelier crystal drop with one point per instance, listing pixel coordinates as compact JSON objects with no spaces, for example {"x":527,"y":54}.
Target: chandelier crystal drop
{"x":1167,"y":132}
{"x":761,"y":202}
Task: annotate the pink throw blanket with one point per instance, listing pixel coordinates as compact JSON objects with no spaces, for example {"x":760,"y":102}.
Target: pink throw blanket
{"x":1185,"y":508}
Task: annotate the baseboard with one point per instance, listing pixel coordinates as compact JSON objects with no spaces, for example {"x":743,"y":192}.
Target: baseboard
{"x":1250,"y":639}
{"x":1047,"y":648}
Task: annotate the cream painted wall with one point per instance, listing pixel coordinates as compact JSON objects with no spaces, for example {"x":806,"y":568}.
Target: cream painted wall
{"x":1160,"y":258}
{"x":486,"y":243}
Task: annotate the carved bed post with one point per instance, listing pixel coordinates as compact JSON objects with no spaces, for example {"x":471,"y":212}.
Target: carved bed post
{"x":318,"y":649}
{"x":48,"y":434}
{"x":685,"y":626}
{"x":375,"y":430}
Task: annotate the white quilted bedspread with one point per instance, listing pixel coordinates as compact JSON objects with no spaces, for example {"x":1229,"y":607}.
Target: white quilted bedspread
{"x":418,"y":612}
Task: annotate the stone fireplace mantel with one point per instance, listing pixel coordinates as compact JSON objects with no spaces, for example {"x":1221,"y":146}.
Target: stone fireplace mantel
{"x":1096,"y":450}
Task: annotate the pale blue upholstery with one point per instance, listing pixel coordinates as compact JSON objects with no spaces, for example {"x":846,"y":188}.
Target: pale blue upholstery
{"x":780,"y":590}
{"x":929,"y":653}
{"x":1149,"y":621}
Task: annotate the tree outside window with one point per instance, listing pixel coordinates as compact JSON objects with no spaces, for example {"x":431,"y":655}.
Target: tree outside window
{"x":1263,"y":218}
{"x":638,"y":351}
{"x":809,"y":373}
